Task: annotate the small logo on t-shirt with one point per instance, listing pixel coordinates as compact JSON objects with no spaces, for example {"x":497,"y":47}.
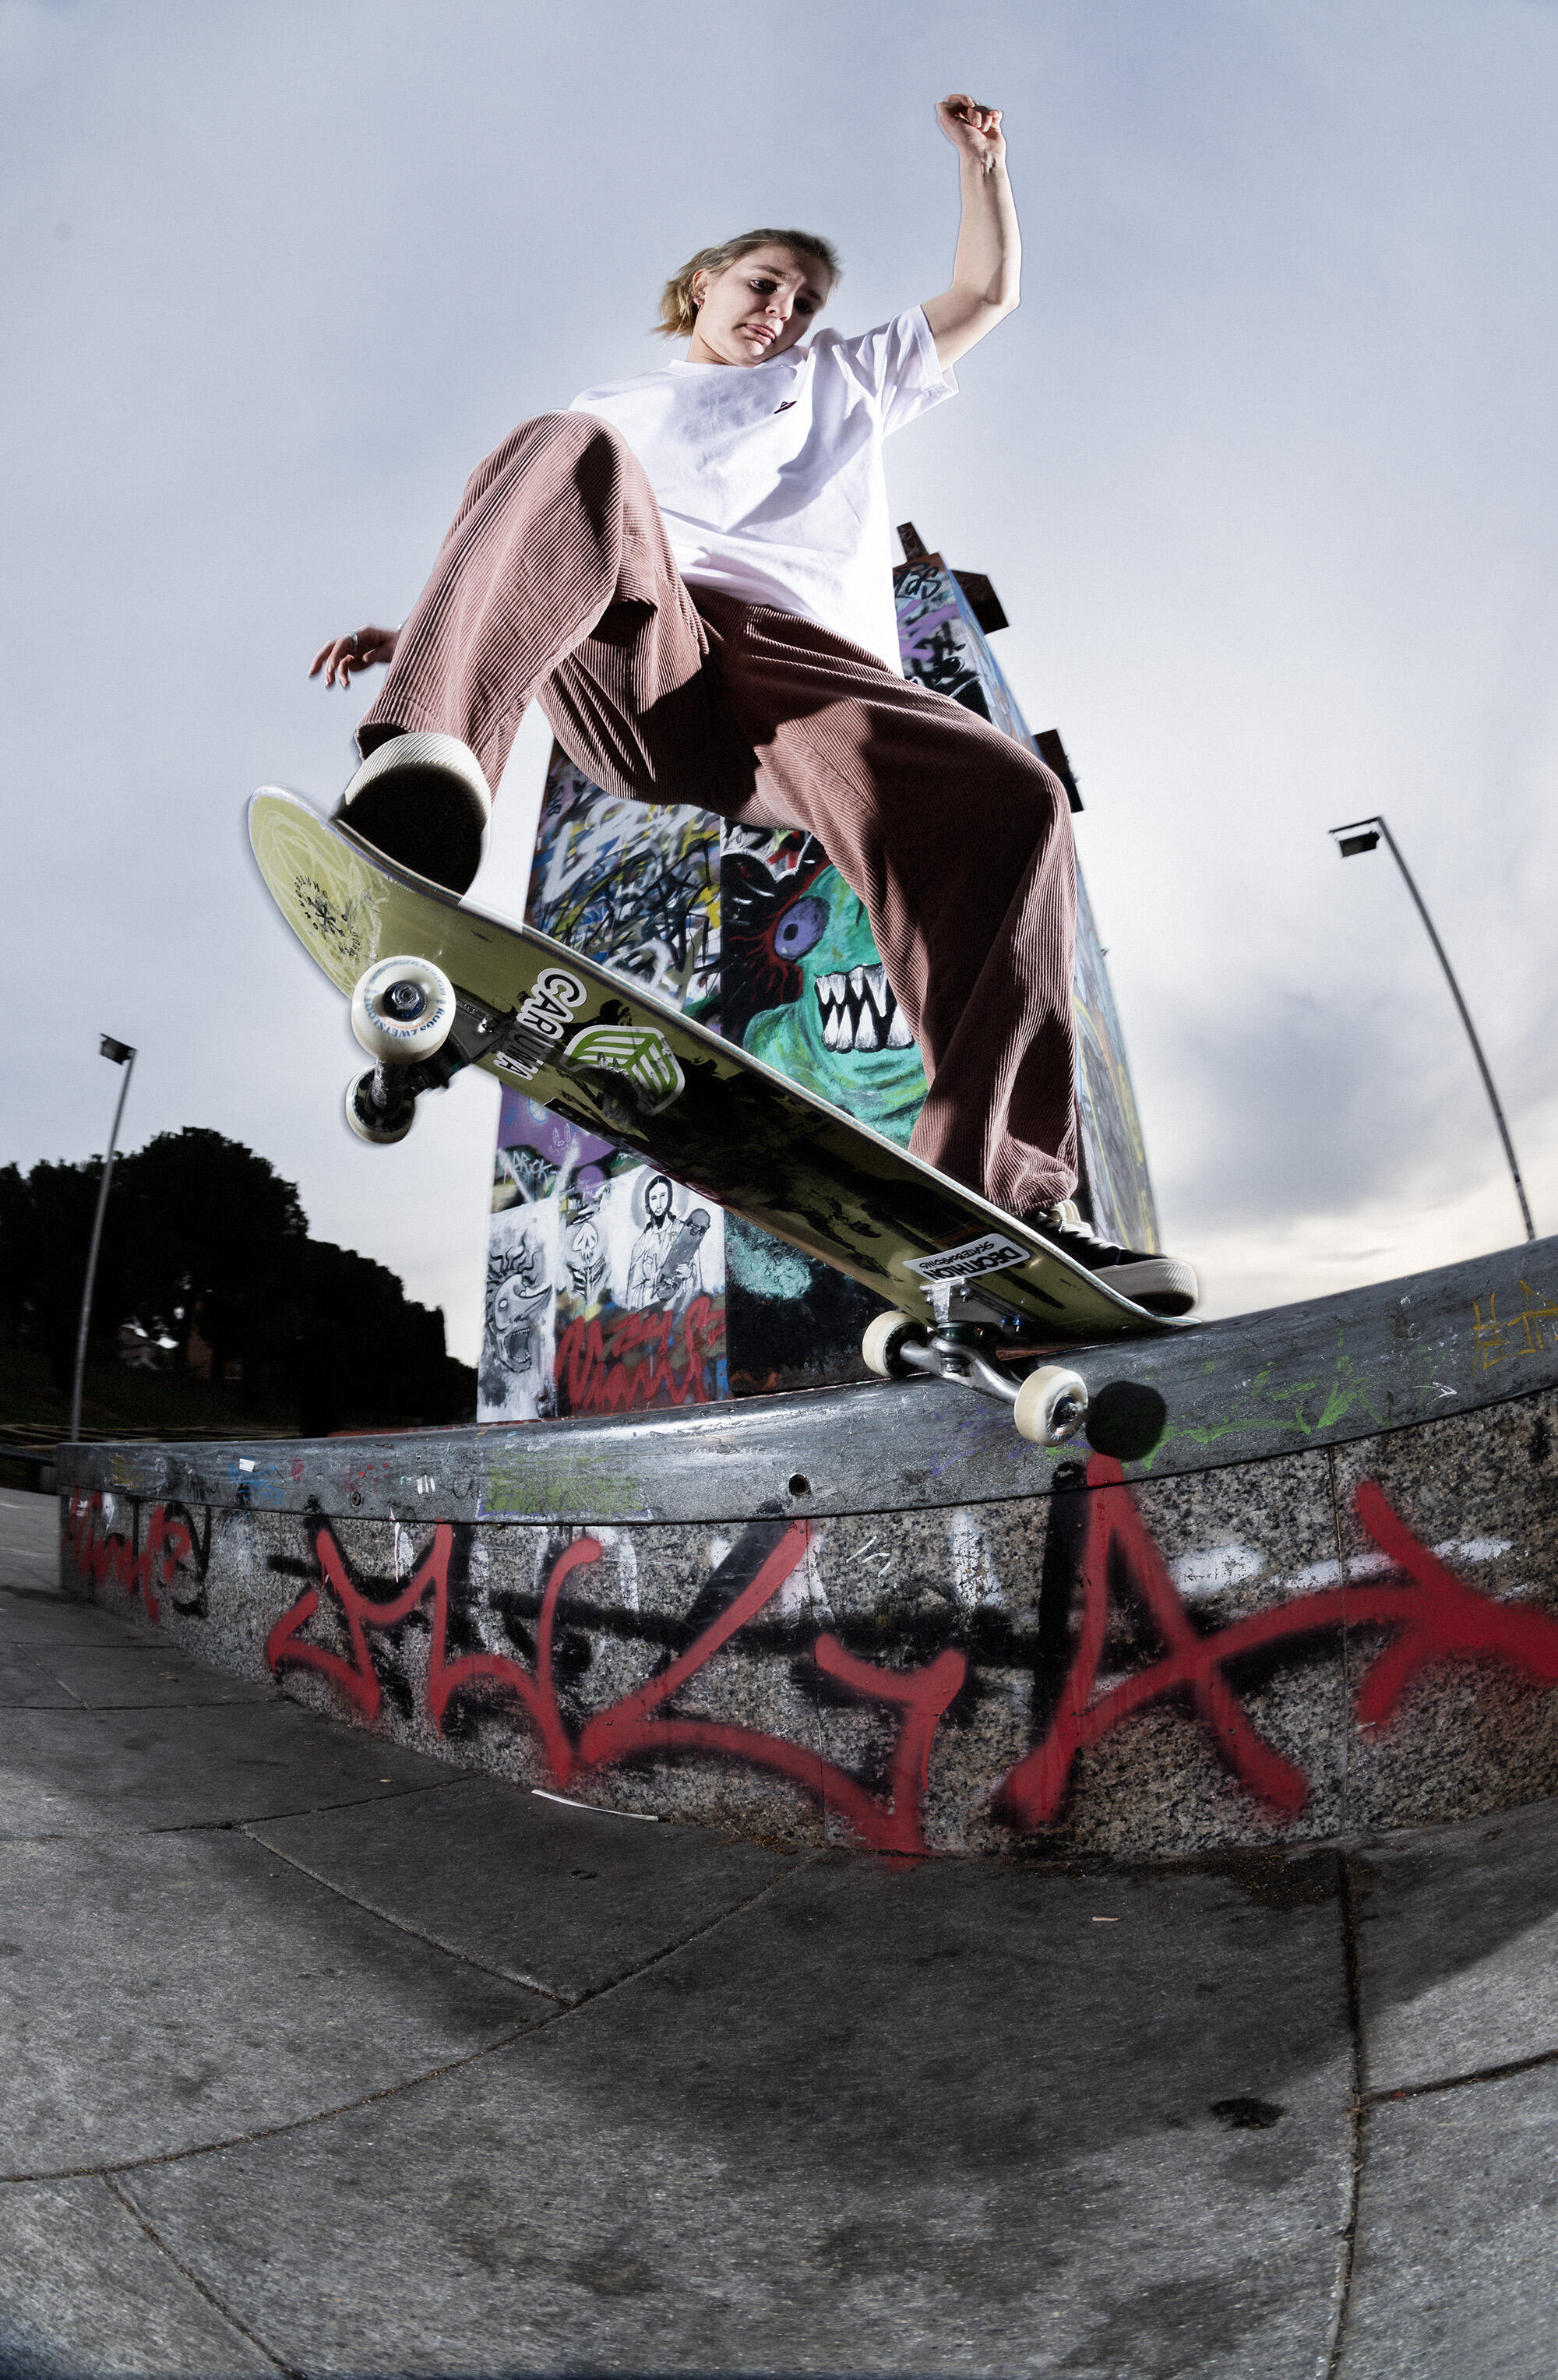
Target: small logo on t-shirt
{"x":785,"y":407}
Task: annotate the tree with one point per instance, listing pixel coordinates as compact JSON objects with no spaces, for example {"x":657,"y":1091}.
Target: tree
{"x":46,"y":1224}
{"x":201,"y":1234}
{"x":364,"y":1354}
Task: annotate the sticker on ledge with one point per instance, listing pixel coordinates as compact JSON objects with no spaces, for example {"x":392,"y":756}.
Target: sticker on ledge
{"x":993,"y":1253}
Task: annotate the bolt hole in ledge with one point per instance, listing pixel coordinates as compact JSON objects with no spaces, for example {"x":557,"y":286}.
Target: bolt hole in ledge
{"x":799,"y":1483}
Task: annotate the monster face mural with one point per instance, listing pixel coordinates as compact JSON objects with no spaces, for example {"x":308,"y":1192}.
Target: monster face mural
{"x":514,"y":1374}
{"x":803,"y":987}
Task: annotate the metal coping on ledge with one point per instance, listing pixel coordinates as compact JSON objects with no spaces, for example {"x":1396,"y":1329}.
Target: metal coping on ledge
{"x":1239,"y":1391}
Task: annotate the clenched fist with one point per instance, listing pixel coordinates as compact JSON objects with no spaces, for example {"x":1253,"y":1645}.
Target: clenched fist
{"x":973,"y":130}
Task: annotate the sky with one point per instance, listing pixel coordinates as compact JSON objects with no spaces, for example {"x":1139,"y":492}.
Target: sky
{"x":1262,"y":470}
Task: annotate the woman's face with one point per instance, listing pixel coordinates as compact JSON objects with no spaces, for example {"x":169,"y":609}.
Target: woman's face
{"x":756,"y":307}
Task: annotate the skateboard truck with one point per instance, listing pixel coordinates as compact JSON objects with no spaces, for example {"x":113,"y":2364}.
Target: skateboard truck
{"x":1048,"y":1405}
{"x":419,"y":1032}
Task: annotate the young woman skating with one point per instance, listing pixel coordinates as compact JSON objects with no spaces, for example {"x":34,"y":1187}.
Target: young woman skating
{"x":690,"y":572}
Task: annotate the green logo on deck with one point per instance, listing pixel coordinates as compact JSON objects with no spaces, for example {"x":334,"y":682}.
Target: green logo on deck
{"x":639,"y":1053}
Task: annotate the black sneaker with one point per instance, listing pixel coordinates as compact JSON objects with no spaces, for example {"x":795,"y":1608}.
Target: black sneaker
{"x":423,"y":801}
{"x":1162,"y":1284}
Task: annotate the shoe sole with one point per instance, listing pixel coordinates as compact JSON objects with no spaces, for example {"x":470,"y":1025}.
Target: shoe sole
{"x":1162,"y":1284}
{"x":422,"y":818}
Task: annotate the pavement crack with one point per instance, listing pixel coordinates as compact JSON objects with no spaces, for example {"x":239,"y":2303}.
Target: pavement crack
{"x":298,"y":1810}
{"x":294,"y":2124}
{"x":400,"y":1924}
{"x":564,"y":2002}
{"x":1463,"y":2082}
{"x":430,"y":2074}
{"x":698,"y":1933}
{"x":218,"y":2305}
{"x":1347,"y":1897}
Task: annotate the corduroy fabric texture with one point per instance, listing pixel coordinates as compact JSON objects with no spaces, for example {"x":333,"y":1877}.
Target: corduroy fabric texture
{"x":555,"y":583}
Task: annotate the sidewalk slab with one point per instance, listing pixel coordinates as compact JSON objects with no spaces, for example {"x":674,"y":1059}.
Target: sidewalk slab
{"x":163,"y":1991}
{"x":115,"y":1772}
{"x":888,"y":2118}
{"x":1453,"y":2276}
{"x":31,"y":1618}
{"x":28,"y":1540}
{"x":1459,"y":1947}
{"x":27,"y":1683}
{"x":82,"y":2290}
{"x":570,"y":1900}
{"x":143,"y":1677}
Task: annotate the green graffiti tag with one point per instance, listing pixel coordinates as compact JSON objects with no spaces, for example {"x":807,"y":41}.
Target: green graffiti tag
{"x":560,"y":1489}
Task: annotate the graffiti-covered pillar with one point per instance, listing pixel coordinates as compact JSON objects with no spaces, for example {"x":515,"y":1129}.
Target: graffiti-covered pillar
{"x":611,"y":1289}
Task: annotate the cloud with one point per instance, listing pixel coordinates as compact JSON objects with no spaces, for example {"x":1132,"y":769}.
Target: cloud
{"x":1261,"y":470}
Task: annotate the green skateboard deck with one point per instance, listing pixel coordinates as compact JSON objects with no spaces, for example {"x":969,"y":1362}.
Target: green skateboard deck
{"x":590,"y":1046}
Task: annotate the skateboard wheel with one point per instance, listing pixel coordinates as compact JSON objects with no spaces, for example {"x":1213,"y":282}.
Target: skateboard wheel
{"x":381,"y":1127}
{"x":884,"y":1338}
{"x":402,"y":1010}
{"x":1051,"y":1405}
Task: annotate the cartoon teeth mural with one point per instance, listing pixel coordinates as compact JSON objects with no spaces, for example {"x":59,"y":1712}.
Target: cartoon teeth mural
{"x":801,"y":984}
{"x":859,"y":1011}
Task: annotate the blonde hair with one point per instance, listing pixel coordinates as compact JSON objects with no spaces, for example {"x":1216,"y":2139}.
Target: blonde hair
{"x":679,"y":308}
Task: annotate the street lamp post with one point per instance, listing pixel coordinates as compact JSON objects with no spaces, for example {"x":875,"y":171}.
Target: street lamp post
{"x":1362,"y":835}
{"x":122,"y":1055}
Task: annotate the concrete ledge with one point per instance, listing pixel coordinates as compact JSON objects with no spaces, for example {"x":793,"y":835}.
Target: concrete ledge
{"x":1326,"y":1373}
{"x":1320,"y":1611}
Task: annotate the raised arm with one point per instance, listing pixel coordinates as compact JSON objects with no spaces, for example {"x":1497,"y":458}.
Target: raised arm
{"x":986,"y":267}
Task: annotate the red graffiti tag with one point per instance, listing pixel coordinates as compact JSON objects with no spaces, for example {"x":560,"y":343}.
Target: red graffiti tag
{"x":656,"y":1358}
{"x":1435,"y":1615}
{"x":1424,"y":1615}
{"x":100,"y":1555}
{"x":633,"y":1727}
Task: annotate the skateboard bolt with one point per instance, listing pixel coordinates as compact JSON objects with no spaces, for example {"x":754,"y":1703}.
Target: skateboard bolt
{"x":406,"y":999}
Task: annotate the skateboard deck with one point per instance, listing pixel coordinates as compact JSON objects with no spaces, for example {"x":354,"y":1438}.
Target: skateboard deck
{"x":588,"y":1045}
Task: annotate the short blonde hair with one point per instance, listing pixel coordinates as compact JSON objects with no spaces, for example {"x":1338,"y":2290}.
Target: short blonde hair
{"x":678,"y":309}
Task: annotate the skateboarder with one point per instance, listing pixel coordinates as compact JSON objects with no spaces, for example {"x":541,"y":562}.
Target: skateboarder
{"x":690,"y":572}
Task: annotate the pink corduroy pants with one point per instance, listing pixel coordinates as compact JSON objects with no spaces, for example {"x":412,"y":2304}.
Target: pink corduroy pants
{"x":556,"y":584}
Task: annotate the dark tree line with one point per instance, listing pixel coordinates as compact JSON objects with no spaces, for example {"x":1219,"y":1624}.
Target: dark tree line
{"x":204,"y":1245}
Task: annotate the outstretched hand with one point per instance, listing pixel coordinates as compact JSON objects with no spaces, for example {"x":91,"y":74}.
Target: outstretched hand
{"x":973,"y":130}
{"x":359,"y":651}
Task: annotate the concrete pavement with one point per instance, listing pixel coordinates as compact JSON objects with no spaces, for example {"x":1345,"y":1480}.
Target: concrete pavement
{"x":323,"y":2057}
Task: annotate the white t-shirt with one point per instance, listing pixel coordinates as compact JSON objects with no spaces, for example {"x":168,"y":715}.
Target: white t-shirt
{"x":769,"y":476}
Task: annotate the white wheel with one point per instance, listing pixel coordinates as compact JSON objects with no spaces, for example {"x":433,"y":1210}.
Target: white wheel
{"x":884,"y":1338}
{"x":402,"y":1010}
{"x":1051,"y":1405}
{"x":381,"y":1127}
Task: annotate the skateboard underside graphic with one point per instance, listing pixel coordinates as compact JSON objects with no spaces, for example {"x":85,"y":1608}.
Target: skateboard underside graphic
{"x":436,"y":987}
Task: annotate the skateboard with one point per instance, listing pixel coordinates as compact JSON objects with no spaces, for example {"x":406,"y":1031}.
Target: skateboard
{"x":436,"y":987}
